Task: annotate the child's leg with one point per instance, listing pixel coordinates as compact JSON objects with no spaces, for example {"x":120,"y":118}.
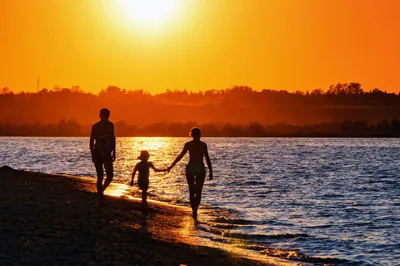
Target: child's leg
{"x":144,"y":196}
{"x":144,"y":186}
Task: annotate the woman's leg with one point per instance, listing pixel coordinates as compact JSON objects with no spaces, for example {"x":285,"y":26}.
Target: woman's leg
{"x":199,"y":188}
{"x":190,"y":181}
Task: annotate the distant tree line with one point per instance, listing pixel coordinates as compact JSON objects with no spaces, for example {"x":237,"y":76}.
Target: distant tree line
{"x":236,"y":105}
{"x":343,"y":129}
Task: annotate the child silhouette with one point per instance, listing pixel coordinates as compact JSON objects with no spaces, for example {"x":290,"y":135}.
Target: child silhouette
{"x":143,"y":168}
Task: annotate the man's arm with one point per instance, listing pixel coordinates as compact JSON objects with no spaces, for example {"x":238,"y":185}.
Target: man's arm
{"x":91,"y":143}
{"x":183,"y":152}
{"x":113,"y":143}
{"x":208,"y":162}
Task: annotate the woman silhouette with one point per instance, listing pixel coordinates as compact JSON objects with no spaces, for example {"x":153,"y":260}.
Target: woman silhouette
{"x":195,"y":170}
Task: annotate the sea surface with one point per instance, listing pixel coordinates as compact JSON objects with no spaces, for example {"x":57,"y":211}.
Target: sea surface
{"x":321,"y":200}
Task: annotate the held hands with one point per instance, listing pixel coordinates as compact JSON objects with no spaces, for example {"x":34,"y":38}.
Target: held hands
{"x":169,"y":169}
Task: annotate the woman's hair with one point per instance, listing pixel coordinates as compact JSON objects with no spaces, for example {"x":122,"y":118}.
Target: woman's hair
{"x":195,"y":132}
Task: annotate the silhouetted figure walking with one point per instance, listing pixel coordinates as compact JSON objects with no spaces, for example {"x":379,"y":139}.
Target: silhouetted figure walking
{"x":143,"y":168}
{"x":102,"y":148}
{"x":195,"y":170}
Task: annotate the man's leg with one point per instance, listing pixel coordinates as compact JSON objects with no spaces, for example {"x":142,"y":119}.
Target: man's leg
{"x":100,"y":176}
{"x":108,"y":164}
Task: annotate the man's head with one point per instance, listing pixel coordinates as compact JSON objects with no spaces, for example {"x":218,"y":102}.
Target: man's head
{"x":104,"y":114}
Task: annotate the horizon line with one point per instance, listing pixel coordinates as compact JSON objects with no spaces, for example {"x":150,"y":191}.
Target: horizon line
{"x":77,"y":88}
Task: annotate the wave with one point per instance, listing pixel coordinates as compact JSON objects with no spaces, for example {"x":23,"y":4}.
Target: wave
{"x":254,"y":183}
{"x":233,"y":221}
{"x":289,"y":254}
{"x":225,"y":226}
{"x":262,"y":236}
{"x":294,"y":255}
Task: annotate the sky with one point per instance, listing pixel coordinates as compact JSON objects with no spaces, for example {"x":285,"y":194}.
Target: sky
{"x":199,"y":44}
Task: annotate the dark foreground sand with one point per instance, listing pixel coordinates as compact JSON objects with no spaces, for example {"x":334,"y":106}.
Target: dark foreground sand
{"x":55,"y":220}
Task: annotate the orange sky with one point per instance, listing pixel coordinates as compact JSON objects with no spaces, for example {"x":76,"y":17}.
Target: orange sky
{"x":205,"y":44}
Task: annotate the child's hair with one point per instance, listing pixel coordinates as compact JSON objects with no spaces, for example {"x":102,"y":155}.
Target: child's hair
{"x":144,"y":155}
{"x":195,"y":132}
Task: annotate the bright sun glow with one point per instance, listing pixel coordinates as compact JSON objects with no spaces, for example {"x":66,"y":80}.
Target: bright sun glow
{"x":149,"y":12}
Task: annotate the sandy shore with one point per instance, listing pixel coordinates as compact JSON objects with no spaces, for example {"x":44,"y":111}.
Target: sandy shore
{"x":55,"y":220}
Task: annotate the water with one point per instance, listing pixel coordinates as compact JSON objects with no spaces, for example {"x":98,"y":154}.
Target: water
{"x":303,"y":198}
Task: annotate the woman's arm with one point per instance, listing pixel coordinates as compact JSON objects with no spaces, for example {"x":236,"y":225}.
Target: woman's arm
{"x":183,"y":152}
{"x":208,"y":162}
{"x":151,"y":165}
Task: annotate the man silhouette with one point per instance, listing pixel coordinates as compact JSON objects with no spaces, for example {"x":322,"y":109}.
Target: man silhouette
{"x":102,"y":148}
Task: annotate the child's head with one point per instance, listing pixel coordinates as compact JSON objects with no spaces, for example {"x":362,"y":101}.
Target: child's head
{"x":144,"y":155}
{"x":195,"y":133}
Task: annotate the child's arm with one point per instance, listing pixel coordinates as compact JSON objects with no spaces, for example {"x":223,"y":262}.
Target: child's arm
{"x":151,"y":165}
{"x":133,"y":175}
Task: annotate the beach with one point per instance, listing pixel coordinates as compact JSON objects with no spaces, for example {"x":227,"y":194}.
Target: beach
{"x":55,"y":220}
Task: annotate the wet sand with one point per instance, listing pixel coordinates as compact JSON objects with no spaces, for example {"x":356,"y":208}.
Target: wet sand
{"x":55,"y":220}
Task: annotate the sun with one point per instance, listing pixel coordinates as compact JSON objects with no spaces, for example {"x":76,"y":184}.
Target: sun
{"x":149,"y":12}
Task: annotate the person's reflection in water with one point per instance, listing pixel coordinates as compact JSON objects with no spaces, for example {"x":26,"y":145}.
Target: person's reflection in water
{"x":195,"y":170}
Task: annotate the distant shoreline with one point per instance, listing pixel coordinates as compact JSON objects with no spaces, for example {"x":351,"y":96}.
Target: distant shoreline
{"x":344,"y":129}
